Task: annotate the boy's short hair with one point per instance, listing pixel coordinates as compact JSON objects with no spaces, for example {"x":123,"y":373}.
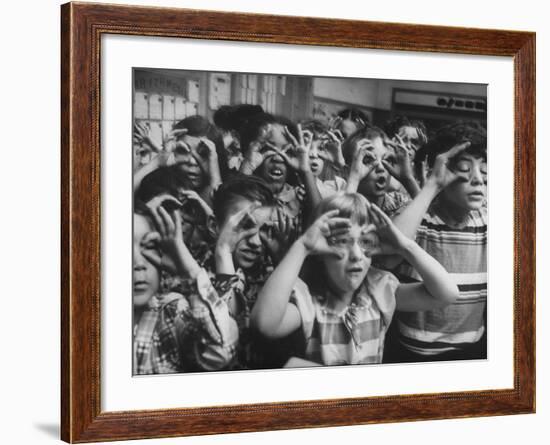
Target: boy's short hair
{"x":393,"y":126}
{"x":453,"y":134}
{"x":368,"y":132}
{"x":240,"y":186}
{"x":163,"y":180}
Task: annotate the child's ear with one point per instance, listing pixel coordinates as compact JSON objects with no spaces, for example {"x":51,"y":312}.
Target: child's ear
{"x":212,"y":227}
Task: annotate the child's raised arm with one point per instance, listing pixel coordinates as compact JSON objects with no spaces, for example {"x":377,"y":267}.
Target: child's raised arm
{"x":441,"y":176}
{"x":437,"y":288}
{"x":272,"y":314}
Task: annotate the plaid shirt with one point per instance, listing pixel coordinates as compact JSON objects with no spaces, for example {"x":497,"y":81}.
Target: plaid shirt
{"x":202,"y":252}
{"x":184,"y":334}
{"x":356,"y":334}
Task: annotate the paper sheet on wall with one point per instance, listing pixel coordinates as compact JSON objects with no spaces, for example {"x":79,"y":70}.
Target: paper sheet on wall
{"x":166,"y":128}
{"x":192,"y":91}
{"x":168,"y":107}
{"x":156,"y":133}
{"x":155,"y":106}
{"x":141,"y":108}
{"x":191,"y":109}
{"x":179,"y":108}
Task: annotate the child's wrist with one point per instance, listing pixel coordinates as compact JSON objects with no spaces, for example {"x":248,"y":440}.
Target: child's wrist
{"x":433,"y":185}
{"x":301,"y":247}
{"x":408,"y":250}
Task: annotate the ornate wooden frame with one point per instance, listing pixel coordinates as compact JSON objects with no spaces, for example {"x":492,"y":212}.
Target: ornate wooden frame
{"x":81,"y":28}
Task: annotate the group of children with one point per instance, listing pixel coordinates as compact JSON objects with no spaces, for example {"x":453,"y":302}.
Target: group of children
{"x":264,"y":243}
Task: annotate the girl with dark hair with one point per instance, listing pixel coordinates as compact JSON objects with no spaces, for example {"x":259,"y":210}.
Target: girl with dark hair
{"x":194,"y":151}
{"x":230,"y":119}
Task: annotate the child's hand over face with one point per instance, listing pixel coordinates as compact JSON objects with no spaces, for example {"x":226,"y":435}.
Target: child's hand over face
{"x":168,"y":240}
{"x":239,"y":226}
{"x":363,"y":160}
{"x":171,"y":140}
{"x":299,"y":160}
{"x":333,"y":149}
{"x":256,"y":153}
{"x":191,"y":195}
{"x":391,"y":240}
{"x":399,"y":165}
{"x":315,"y":239}
{"x":441,"y":174}
{"x":278,"y":235}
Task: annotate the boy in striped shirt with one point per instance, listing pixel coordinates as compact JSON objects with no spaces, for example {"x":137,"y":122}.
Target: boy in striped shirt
{"x":449,"y":220}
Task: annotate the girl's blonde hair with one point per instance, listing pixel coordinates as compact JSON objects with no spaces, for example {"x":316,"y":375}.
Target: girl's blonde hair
{"x":351,"y":205}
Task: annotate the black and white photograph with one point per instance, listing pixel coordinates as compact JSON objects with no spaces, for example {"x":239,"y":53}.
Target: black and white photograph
{"x":285,"y":221}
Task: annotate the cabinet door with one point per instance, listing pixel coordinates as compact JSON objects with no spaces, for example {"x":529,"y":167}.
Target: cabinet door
{"x":168,"y":107}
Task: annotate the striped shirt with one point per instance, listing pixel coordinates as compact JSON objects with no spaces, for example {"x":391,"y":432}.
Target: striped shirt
{"x":354,"y":335}
{"x":463,"y":253}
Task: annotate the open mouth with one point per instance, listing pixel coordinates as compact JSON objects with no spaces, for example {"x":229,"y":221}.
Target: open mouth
{"x":355,"y":270}
{"x":315,"y":166}
{"x":381,"y":183}
{"x":276,"y":172}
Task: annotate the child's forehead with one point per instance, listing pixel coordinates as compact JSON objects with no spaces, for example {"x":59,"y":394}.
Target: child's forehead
{"x":357,"y":230}
{"x":465,"y":156}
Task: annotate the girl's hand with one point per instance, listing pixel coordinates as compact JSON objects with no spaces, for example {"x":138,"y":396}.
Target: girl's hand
{"x":391,"y":240}
{"x":441,"y":175}
{"x":401,"y":169}
{"x":254,"y":156}
{"x":171,"y":141}
{"x":315,"y":239}
{"x":238,"y":227}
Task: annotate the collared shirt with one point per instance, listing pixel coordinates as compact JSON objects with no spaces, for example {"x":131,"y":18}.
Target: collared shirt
{"x":290,"y":202}
{"x":253,"y":351}
{"x":330,"y":186}
{"x":202,"y":252}
{"x":393,"y":202}
{"x":354,"y":335}
{"x":179,"y":333}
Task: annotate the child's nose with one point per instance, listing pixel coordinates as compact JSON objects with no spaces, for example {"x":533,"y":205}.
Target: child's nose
{"x":355,"y":252}
{"x":139,"y":260}
{"x":477,"y":176}
{"x":255,"y":240}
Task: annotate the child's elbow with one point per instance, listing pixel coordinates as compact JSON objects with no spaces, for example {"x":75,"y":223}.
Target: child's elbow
{"x":263,"y":325}
{"x":450,"y":295}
